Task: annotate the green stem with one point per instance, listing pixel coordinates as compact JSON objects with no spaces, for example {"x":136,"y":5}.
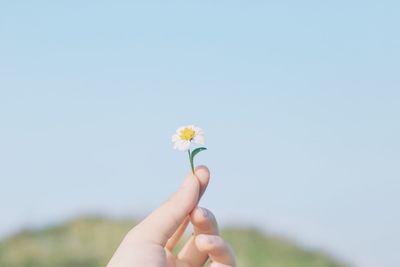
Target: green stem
{"x":191,"y":161}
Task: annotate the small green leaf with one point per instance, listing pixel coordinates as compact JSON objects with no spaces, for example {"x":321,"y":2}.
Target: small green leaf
{"x":196,"y":151}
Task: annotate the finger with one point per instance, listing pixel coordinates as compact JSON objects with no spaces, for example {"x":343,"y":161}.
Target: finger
{"x":160,"y":225}
{"x":204,"y":222}
{"x":216,"y":264}
{"x":203,"y":174}
{"x":171,"y":243}
{"x":218,"y":250}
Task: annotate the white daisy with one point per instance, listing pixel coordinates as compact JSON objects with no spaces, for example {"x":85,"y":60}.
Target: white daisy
{"x":185,"y":135}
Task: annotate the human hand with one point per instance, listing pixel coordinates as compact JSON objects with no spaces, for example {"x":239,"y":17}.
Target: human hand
{"x":151,"y":242}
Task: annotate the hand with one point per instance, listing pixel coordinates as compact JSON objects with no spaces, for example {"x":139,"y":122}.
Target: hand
{"x":150,"y":243}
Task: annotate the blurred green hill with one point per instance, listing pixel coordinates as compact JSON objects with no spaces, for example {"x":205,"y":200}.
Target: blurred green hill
{"x":91,"y":241}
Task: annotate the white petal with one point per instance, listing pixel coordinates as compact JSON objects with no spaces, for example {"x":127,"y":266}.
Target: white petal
{"x":178,"y":144}
{"x":199,"y":139}
{"x":197,"y":129}
{"x":183,"y":145}
{"x":175,"y":138}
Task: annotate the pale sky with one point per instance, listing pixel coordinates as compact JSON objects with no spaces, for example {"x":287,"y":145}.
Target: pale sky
{"x":300,"y":103}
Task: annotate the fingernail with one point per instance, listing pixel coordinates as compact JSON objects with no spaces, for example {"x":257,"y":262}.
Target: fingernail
{"x":204,"y":212}
{"x":206,"y":239}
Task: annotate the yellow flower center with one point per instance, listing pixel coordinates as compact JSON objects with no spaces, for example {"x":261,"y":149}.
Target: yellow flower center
{"x":187,"y":134}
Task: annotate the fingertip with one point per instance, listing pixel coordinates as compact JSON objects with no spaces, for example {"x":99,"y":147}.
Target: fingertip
{"x":199,"y":216}
{"x":202,"y":172}
{"x":203,"y":242}
{"x":207,"y":243}
{"x":218,"y":250}
{"x":203,"y":175}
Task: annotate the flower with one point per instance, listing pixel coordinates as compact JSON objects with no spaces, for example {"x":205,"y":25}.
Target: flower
{"x":185,"y":135}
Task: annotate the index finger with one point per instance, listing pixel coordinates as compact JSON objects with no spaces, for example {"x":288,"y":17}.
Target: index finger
{"x":203,"y":174}
{"x":162,"y":223}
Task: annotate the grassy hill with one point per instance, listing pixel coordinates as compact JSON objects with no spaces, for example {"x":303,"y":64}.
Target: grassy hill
{"x":90,"y":242}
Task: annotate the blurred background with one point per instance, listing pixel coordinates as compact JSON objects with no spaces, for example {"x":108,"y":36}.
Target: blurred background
{"x":299,"y":100}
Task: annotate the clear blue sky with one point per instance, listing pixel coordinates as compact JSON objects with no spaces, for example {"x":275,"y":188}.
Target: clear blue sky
{"x":300,"y":102}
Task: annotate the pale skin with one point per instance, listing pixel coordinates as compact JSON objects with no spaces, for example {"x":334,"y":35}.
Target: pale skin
{"x":151,"y":242}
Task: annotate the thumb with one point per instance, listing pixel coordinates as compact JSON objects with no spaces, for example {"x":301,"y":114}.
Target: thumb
{"x":160,"y":225}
